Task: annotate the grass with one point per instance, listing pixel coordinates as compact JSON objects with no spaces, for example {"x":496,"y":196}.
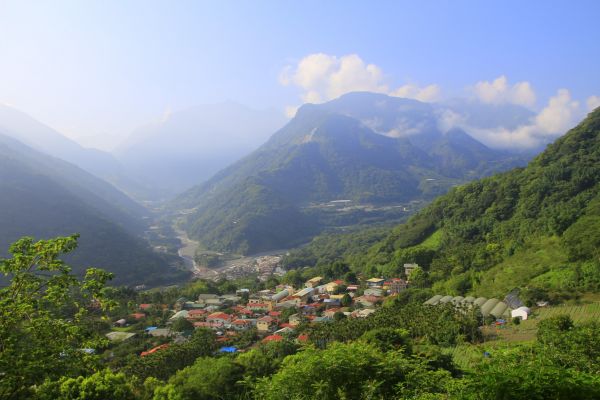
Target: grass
{"x":538,"y":258}
{"x":433,"y":241}
{"x":467,"y":356}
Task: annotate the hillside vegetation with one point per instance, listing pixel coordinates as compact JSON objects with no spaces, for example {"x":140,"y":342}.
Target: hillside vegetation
{"x":277,"y":197}
{"x":535,"y":227}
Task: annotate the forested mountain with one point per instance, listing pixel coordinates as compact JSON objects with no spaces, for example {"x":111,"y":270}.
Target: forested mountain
{"x":190,"y":146}
{"x":535,"y":228}
{"x":42,"y":196}
{"x":368,"y":148}
{"x":24,"y":128}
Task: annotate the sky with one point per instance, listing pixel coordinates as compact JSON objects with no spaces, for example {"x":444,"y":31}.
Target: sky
{"x":96,"y":70}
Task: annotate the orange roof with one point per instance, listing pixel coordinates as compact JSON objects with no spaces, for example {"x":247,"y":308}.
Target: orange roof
{"x":266,"y":319}
{"x":303,"y":338}
{"x":145,"y":306}
{"x":162,"y":346}
{"x":219,"y":315}
{"x":272,"y":338}
{"x":138,"y":315}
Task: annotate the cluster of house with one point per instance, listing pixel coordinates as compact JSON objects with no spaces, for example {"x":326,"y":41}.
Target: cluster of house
{"x":316,"y":302}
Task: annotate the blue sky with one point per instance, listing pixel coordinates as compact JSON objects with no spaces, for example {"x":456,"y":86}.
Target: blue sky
{"x":93,"y":68}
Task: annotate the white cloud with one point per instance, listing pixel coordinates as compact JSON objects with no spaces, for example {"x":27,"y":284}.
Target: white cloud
{"x":560,"y":114}
{"x":426,"y":94}
{"x":593,"y":102}
{"x":323,"y":77}
{"x":499,"y":91}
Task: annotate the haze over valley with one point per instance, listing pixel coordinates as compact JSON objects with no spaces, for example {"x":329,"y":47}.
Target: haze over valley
{"x":299,"y":200}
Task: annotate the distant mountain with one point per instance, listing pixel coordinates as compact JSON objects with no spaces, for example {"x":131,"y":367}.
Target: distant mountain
{"x":43,"y":196}
{"x":26,"y":129}
{"x":534,"y":229}
{"x":190,"y":146}
{"x":363,"y":147}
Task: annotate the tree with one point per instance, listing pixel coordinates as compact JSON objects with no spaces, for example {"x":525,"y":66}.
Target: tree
{"x":46,"y":315}
{"x":182,"y":325}
{"x":346,"y":300}
{"x":99,"y":386}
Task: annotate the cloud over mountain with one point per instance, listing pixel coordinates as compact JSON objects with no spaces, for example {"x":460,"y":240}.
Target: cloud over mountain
{"x":324,"y":77}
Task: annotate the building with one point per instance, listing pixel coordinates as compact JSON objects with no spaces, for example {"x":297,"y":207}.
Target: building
{"x":304,"y":294}
{"x":311,"y":283}
{"x":521,"y":312}
{"x":375,"y":282}
{"x":409,"y":268}
{"x":265,"y":324}
{"x":396,"y":285}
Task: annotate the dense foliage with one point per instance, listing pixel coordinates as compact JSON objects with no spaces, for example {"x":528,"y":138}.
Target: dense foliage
{"x":535,"y":228}
{"x":277,"y":197}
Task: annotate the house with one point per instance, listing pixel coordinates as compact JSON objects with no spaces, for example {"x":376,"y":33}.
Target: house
{"x":363,"y":313}
{"x":375,"y":282}
{"x":409,"y":268}
{"x":311,"y":283}
{"x":160,"y":332}
{"x":265,"y":324}
{"x":352,"y":288}
{"x":367,"y":301}
{"x":324,"y":318}
{"x":295,"y":319}
{"x":179,"y":314}
{"x":396,"y":285}
{"x":196,"y":314}
{"x":119,"y":336}
{"x":209,"y":325}
{"x":120,"y":322}
{"x":373,"y":292}
{"x":273,"y":338}
{"x":521,"y":312}
{"x":138,"y":316}
{"x":146,"y":306}
{"x":281,"y":295}
{"x":219,"y":318}
{"x":241,"y":324}
{"x":284,"y":331}
{"x":331,"y":312}
{"x":257,"y":307}
{"x":304,"y":294}
{"x":241,"y":292}
{"x":331,"y":287}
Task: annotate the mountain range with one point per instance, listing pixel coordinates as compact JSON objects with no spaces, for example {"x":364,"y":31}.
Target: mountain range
{"x":187,"y":147}
{"x":43,"y":196}
{"x":365,"y":149}
{"x":533,"y":229}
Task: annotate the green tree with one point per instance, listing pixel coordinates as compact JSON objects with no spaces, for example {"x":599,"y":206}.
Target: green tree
{"x":99,"y":386}
{"x":182,"y":325}
{"x":47,"y":315}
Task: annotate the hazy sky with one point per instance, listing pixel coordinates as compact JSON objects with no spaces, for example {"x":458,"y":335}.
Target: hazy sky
{"x":90,"y":68}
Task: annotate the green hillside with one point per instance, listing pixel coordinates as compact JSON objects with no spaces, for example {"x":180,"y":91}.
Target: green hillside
{"x":535,"y":228}
{"x":45,"y":197}
{"x":278,"y":196}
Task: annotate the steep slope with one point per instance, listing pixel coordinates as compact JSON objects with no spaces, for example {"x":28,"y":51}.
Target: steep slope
{"x":330,"y":152}
{"x":190,"y":146}
{"x":535,"y":228}
{"x":24,"y":128}
{"x":44,"y":197}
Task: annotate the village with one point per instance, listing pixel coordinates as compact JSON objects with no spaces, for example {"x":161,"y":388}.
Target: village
{"x":272,"y":315}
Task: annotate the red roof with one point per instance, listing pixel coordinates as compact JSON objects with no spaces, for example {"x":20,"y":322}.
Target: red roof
{"x":272,"y":338}
{"x":193,"y":313}
{"x":274,"y":313}
{"x":303,"y":338}
{"x":266,"y":318}
{"x":338,"y":282}
{"x":287,"y":325}
{"x":145,"y":306}
{"x":219,"y":315}
{"x":138,"y":315}
{"x":241,"y":322}
{"x":202,"y":324}
{"x":162,"y":346}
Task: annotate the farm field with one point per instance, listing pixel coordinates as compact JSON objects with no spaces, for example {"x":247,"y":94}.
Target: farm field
{"x":508,"y":336}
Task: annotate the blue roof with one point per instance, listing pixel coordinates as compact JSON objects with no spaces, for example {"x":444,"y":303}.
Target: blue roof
{"x":229,"y":349}
{"x":150,"y":328}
